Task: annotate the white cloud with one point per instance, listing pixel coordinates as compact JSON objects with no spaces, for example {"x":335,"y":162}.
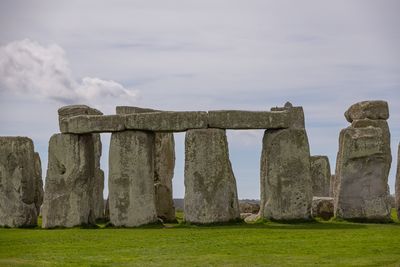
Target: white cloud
{"x":28,"y":68}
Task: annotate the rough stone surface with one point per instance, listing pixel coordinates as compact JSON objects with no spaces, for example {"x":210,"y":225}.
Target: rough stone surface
{"x":397,"y":190}
{"x":362,"y":169}
{"x":164,"y":164}
{"x":375,"y":110}
{"x":69,"y":182}
{"x":332,"y":186}
{"x":39,"y":183}
{"x":167,"y":121}
{"x":18,"y":182}
{"x":286,"y":187}
{"x":75,"y":110}
{"x":239,"y":119}
{"x":210,"y":186}
{"x":98,"y":186}
{"x":252,"y":218}
{"x":83,"y":124}
{"x":322,"y":207}
{"x":131,"y":179}
{"x":295,"y":115}
{"x":320,"y":175}
{"x":249,"y":207}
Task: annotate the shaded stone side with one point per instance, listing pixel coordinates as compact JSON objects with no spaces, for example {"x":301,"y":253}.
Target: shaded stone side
{"x":397,"y":186}
{"x":210,"y":186}
{"x":286,"y":186}
{"x":69,"y":182}
{"x":164,"y":165}
{"x":18,"y":182}
{"x":98,"y":186}
{"x":131,"y":179}
{"x":320,"y":175}
{"x":39,"y":183}
{"x":363,"y":164}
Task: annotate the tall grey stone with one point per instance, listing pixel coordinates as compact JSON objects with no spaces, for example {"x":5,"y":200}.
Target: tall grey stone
{"x":18,"y":182}
{"x":363,"y":164}
{"x":397,"y":187}
{"x":320,"y":175}
{"x":210,"y":186}
{"x":131,"y":179}
{"x":75,"y":110}
{"x":68,"y":197}
{"x":39,"y":183}
{"x":164,"y":164}
{"x":286,"y":186}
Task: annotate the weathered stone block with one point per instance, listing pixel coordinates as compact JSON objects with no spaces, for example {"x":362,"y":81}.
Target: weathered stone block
{"x":239,"y":119}
{"x":320,"y":175}
{"x":39,"y":183}
{"x":295,"y":115}
{"x":98,"y":186}
{"x":210,"y":186}
{"x":75,"y":110}
{"x":69,"y":182}
{"x":18,"y":182}
{"x":286,"y":187}
{"x":374,"y":110}
{"x":167,"y":121}
{"x":362,"y":172}
{"x":83,"y":124}
{"x":322,"y":207}
{"x":131,"y":179}
{"x":397,"y":186}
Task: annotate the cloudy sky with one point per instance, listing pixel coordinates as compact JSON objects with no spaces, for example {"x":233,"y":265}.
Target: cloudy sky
{"x":200,"y":55}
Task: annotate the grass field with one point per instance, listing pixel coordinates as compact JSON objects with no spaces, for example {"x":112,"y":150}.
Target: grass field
{"x":265,"y":244}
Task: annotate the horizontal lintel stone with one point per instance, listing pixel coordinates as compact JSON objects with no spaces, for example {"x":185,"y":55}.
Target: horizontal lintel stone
{"x":93,"y":124}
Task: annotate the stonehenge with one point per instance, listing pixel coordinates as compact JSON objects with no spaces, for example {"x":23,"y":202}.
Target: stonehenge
{"x":320,"y":176}
{"x":293,"y":184}
{"x":210,"y":185}
{"x":397,"y":185}
{"x":362,"y":167}
{"x":21,"y":192}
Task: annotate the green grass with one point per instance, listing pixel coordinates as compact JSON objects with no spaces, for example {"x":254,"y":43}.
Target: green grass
{"x":264,"y":244}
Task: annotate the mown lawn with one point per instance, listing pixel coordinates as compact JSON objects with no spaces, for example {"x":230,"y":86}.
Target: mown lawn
{"x":265,"y":244}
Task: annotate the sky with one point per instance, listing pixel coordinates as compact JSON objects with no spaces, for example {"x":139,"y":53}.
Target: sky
{"x":200,"y":55}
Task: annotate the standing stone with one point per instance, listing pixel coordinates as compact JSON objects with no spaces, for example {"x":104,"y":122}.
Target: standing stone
{"x":210,"y":186}
{"x":332,"y":186}
{"x":320,"y":175}
{"x":39,"y":183}
{"x":164,"y":164}
{"x":397,"y":187}
{"x":68,"y":197}
{"x":322,"y":207}
{"x":363,"y":164}
{"x":98,"y":187}
{"x":18,"y":182}
{"x":131,"y":179}
{"x":286,"y":186}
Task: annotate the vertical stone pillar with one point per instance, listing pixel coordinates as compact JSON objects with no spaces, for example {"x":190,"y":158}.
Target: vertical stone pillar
{"x":397,"y":187}
{"x":131,"y":179}
{"x":320,"y":176}
{"x":286,"y":187}
{"x":39,"y":183}
{"x":18,"y":182}
{"x":210,"y":186}
{"x":68,"y":197}
{"x":98,"y":186}
{"x":363,"y":164}
{"x":164,"y":164}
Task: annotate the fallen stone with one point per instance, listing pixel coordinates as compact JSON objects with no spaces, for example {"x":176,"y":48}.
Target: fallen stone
{"x":18,"y":182}
{"x":131,"y":179}
{"x":253,"y":218}
{"x":374,"y":110}
{"x":169,"y":121}
{"x":238,"y":119}
{"x":320,"y":175}
{"x":39,"y":183}
{"x":397,"y":187}
{"x":322,"y":207}
{"x":244,"y":215}
{"x":362,"y":173}
{"x":164,"y":164}
{"x":210,"y":186}
{"x":286,"y":186}
{"x":84,"y":124}
{"x":69,"y":182}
